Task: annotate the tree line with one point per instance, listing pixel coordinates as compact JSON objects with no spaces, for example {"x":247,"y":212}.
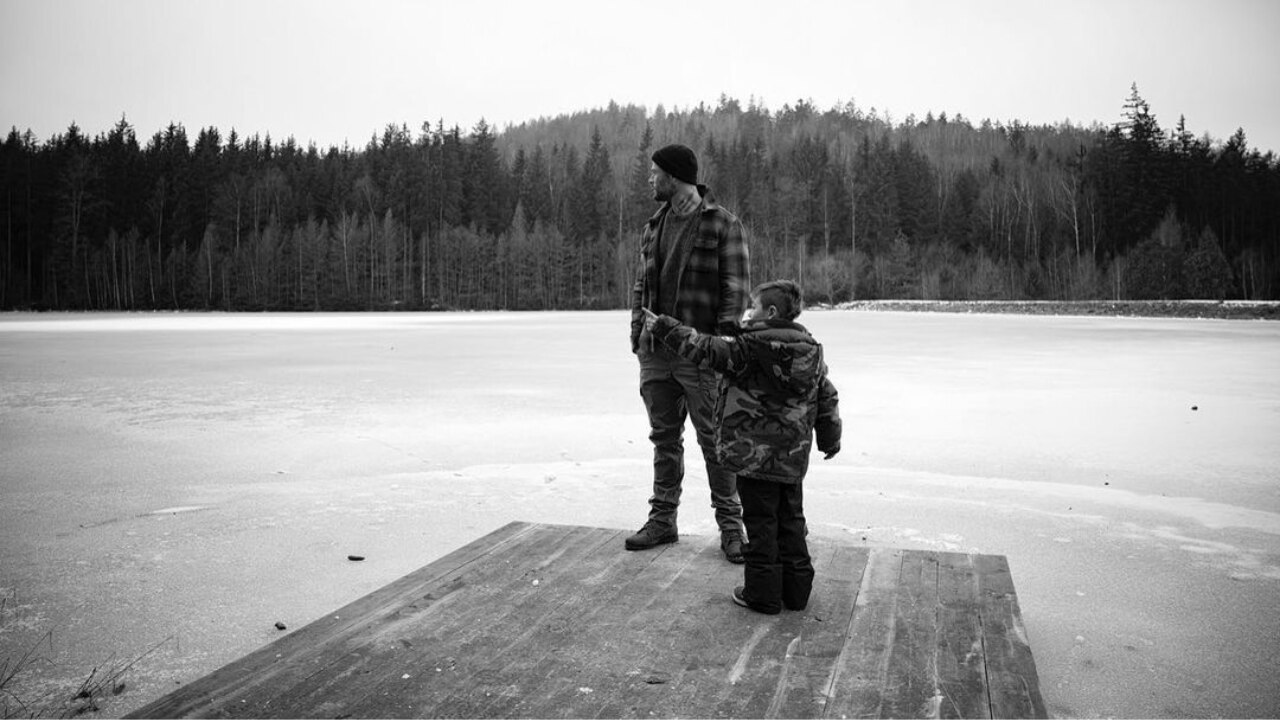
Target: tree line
{"x":546,"y":214}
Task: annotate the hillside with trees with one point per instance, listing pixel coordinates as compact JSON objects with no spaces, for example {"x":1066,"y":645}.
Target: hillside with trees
{"x":546,"y":214}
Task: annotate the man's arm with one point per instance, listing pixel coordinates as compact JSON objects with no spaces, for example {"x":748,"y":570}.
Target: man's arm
{"x":637,"y":295}
{"x":637,"y":317}
{"x":735,"y":277}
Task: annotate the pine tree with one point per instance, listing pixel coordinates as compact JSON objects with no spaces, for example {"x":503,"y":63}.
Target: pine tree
{"x":483,"y":184}
{"x":535,"y":190}
{"x":1143,"y":189}
{"x":595,"y":191}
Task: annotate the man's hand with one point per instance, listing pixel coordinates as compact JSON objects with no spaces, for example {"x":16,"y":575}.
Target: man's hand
{"x":831,"y":453}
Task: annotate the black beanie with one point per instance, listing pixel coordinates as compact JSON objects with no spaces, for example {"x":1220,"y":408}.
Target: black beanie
{"x":679,"y":162}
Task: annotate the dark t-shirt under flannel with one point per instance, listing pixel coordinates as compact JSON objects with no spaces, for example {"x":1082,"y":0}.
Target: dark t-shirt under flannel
{"x":675,"y":238}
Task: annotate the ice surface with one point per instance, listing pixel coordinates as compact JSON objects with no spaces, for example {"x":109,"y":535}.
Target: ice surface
{"x":191,"y":479}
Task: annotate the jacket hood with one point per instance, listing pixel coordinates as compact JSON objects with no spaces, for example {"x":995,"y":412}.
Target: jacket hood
{"x":790,"y":356}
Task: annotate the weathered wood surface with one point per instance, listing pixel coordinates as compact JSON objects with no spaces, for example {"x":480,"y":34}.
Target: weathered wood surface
{"x":548,"y":621}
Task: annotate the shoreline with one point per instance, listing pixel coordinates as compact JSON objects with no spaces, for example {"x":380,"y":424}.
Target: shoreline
{"x":1189,"y":309}
{"x":1205,"y":309}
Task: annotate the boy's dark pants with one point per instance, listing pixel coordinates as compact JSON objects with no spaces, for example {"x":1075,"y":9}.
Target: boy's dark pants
{"x":778,"y":570}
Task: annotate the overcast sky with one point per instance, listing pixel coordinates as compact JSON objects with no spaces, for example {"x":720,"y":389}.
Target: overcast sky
{"x":331,"y":71}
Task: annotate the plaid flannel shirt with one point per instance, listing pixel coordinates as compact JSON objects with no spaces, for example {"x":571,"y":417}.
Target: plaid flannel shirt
{"x":715,"y":281}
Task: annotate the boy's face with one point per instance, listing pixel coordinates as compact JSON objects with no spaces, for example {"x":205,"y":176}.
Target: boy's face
{"x":759,"y":310}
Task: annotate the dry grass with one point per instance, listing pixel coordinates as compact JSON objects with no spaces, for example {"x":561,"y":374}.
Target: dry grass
{"x":24,"y":695}
{"x":12,"y":670}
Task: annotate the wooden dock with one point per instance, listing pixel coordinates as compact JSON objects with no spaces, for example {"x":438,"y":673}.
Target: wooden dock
{"x":557,"y":621}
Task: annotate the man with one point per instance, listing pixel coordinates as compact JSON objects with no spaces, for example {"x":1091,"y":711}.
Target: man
{"x":694,"y":268}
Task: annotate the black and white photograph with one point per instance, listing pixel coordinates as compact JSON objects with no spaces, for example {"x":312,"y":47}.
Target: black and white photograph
{"x":568,"y":359}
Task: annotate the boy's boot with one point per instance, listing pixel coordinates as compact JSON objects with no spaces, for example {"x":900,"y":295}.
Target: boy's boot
{"x":740,"y":599}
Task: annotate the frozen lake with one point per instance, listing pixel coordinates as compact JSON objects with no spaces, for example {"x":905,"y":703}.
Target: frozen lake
{"x":187,"y":481}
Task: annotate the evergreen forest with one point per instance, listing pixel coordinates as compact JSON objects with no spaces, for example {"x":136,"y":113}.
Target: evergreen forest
{"x":546,"y":214}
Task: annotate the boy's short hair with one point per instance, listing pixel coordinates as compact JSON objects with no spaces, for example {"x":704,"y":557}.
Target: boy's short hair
{"x":782,"y":294}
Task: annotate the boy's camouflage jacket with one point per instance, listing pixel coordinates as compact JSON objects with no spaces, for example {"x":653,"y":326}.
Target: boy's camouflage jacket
{"x":715,"y":279}
{"x":774,"y":393}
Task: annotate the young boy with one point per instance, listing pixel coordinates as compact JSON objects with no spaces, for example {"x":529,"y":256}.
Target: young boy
{"x":773,"y":395}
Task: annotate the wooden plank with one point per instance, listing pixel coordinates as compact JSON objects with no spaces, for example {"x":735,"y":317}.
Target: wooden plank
{"x":962,"y":676}
{"x":911,"y":687}
{"x":1014,"y":687}
{"x":862,"y":668}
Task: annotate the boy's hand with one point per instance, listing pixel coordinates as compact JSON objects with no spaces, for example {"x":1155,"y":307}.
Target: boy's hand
{"x":649,"y":318}
{"x":831,"y":453}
